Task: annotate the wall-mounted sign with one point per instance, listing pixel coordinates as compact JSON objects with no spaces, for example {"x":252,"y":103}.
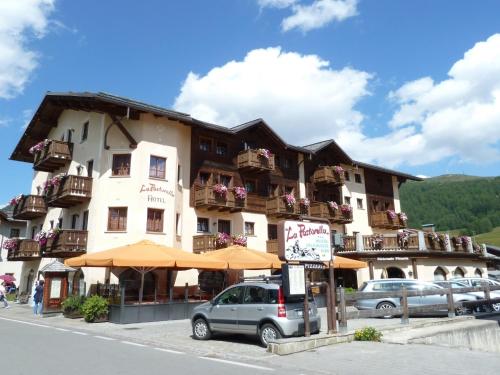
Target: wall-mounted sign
{"x":156,"y":194}
{"x":293,"y":279}
{"x":304,"y":242}
{"x":55,"y":288}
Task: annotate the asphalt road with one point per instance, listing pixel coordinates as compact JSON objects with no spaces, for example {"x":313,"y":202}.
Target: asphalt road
{"x":32,"y":348}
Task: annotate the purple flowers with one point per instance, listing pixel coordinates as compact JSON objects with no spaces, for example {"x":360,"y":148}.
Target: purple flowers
{"x":43,"y":236}
{"x":289,"y":200}
{"x":220,"y":190}
{"x":346,"y":209}
{"x":11,"y":244}
{"x":240,"y":192}
{"x":377,"y":241}
{"x":333,"y":205}
{"x":53,"y":182}
{"x":305,"y":202}
{"x":38,"y":147}
{"x":391,"y":214}
{"x":222,"y":239}
{"x":338,"y":169}
{"x":264,"y":153}
{"x":403,"y":238}
{"x":403,"y":217}
{"x":240,"y":240}
{"x":14,"y":201}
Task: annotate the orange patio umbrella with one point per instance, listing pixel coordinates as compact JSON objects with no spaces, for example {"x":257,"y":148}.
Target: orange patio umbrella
{"x":242,"y":258}
{"x":347,"y":263}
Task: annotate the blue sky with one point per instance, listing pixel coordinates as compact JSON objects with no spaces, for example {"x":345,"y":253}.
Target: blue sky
{"x":413,"y":86}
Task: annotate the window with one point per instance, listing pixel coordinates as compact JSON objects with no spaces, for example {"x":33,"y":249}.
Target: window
{"x":360,"y":203}
{"x":85,"y":131}
{"x":157,"y":167}
{"x":51,"y":224}
{"x":14,"y":232}
{"x":178,"y":225}
{"x":121,"y":165}
{"x":272,"y":231}
{"x":205,"y":144}
{"x":251,"y":186}
{"x":155,"y":220}
{"x":179,"y":176}
{"x":69,"y":135}
{"x":202,"y":225}
{"x":287,"y":163}
{"x":85,"y":221}
{"x":272,"y":190}
{"x":225,"y":180}
{"x":346,"y":175}
{"x":79,"y":170}
{"x":254,"y":294}
{"x":33,"y":232}
{"x":221,"y":149}
{"x":357,"y":178}
{"x":249,"y":228}
{"x":38,"y":190}
{"x":74,"y":221}
{"x":117,"y":219}
{"x":90,"y":168}
{"x":347,"y":200}
{"x":230,"y":297}
{"x":224,"y":226}
{"x":204,"y":178}
{"x":60,"y":223}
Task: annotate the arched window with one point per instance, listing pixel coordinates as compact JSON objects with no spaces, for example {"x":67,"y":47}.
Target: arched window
{"x":458,"y":272}
{"x":395,"y":272}
{"x":478,"y":273}
{"x":439,"y":274}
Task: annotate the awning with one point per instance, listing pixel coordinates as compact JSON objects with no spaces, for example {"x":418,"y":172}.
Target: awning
{"x":242,"y":258}
{"x":145,"y":254}
{"x":347,"y":263}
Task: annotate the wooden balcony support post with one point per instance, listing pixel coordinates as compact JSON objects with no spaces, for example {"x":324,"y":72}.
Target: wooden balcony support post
{"x":447,"y":242}
{"x":359,"y":242}
{"x":421,"y":241}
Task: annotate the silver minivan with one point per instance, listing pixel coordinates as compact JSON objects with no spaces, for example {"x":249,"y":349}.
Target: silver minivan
{"x":254,"y":308}
{"x":388,"y":285}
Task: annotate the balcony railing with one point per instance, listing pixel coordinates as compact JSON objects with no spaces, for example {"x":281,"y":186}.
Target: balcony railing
{"x":251,"y":160}
{"x":206,"y":197}
{"x":323,"y":210}
{"x":256,"y":203}
{"x":326,"y":175}
{"x":381,"y":219}
{"x":203,"y":243}
{"x":73,"y":190}
{"x":26,"y":250}
{"x":67,"y":243}
{"x":30,"y":207}
{"x":434,"y":244}
{"x":272,"y":246}
{"x":53,"y":156}
{"x":277,"y":206}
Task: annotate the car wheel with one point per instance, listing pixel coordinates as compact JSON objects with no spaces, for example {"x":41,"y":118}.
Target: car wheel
{"x":496,"y":307}
{"x":268,"y":333}
{"x":385,"y":305}
{"x":201,"y":330}
{"x":459,"y":311}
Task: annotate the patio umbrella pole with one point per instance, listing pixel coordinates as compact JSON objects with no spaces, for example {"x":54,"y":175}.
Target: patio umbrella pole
{"x":333,"y":298}
{"x":142,"y":271}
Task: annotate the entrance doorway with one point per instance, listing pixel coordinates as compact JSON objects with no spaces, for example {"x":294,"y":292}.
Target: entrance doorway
{"x":439,"y":274}
{"x":395,"y":273}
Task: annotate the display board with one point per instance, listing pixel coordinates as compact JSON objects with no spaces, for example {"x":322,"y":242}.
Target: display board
{"x":293,"y":279}
{"x":304,"y":241}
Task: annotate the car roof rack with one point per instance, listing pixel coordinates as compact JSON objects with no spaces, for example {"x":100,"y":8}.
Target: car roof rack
{"x":261,"y":278}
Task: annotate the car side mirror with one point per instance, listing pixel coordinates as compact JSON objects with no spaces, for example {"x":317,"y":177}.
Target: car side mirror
{"x":212,"y":302}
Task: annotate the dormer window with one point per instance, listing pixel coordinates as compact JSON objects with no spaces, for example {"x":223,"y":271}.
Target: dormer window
{"x":221,"y":149}
{"x":205,"y":144}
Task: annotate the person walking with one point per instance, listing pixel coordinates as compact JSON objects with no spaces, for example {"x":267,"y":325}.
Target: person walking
{"x":3,"y":296}
{"x":38,"y":299}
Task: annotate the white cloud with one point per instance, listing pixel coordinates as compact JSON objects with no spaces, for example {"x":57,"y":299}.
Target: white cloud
{"x":276,"y":3}
{"x":319,"y":14}
{"x":287,"y":89}
{"x":20,"y":20}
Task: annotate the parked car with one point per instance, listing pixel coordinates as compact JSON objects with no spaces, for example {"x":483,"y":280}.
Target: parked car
{"x":457,"y":284}
{"x":478,"y":282}
{"x":254,"y":308}
{"x":388,"y":285}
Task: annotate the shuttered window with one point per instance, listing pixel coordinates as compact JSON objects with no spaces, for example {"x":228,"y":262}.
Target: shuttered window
{"x":155,"y":220}
{"x":117,"y":219}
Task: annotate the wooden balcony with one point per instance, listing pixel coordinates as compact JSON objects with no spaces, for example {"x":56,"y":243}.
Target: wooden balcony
{"x":250,"y":160}
{"x":203,"y":243}
{"x":276,"y":206}
{"x":30,"y":207}
{"x":272,"y":246}
{"x":206,"y":197}
{"x":323,"y":210}
{"x":433,"y":244}
{"x":72,"y":191}
{"x":256,"y":203}
{"x":27,"y":250}
{"x":68,"y":243}
{"x":381,"y":219}
{"x":326,"y":175}
{"x":54,"y":156}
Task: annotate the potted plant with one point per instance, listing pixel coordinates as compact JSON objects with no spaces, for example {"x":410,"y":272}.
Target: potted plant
{"x":377,"y":241}
{"x":95,"y":309}
{"x":222,"y":240}
{"x":289,"y":201}
{"x":220,"y":191}
{"x":240,"y":192}
{"x":333,"y":205}
{"x":11,"y":244}
{"x":15,"y":201}
{"x":239,"y":240}
{"x":72,"y":307}
{"x":346,"y":210}
{"x":264,"y":153}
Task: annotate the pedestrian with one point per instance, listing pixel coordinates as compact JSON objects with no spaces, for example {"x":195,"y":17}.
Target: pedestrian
{"x":38,"y":299}
{"x":3,"y":296}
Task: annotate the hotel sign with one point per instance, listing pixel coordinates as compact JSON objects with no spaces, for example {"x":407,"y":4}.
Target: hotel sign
{"x":304,"y":242}
{"x":156,"y":194}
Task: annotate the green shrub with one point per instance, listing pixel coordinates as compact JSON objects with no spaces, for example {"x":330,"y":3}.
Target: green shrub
{"x":94,"y":307}
{"x":73,"y":304}
{"x":367,"y":334}
{"x":350,"y":290}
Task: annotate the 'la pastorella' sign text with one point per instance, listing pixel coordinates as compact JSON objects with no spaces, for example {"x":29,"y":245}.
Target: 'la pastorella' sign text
{"x":304,"y":242}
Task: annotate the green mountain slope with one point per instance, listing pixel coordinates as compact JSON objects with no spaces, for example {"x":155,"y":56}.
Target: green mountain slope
{"x":453,"y":202}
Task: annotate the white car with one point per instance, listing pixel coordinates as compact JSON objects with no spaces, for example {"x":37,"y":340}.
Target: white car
{"x":477,"y":282}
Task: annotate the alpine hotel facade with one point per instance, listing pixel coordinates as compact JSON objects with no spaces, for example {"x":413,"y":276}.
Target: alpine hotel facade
{"x":110,"y":171}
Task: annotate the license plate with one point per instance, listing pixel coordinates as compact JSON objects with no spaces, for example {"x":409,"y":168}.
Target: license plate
{"x":300,"y":313}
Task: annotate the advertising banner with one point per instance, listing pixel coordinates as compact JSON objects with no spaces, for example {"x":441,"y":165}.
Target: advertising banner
{"x":304,"y":241}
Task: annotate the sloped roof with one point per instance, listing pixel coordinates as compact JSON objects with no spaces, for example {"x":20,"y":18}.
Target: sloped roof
{"x":388,"y":171}
{"x":56,"y":266}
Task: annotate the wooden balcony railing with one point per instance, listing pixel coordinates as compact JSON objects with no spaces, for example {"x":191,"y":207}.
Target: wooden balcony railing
{"x":349,"y":244}
{"x":251,"y":160}
{"x":256,"y":203}
{"x":277,"y":206}
{"x":73,"y":190}
{"x":54,"y":156}
{"x":381,"y":219}
{"x":67,"y":243}
{"x":326,"y":175}
{"x":323,"y":210}
{"x":206,"y":197}
{"x":272,"y":246}
{"x":26,"y":250}
{"x":30,"y":207}
{"x":203,"y":243}
{"x":434,"y":244}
